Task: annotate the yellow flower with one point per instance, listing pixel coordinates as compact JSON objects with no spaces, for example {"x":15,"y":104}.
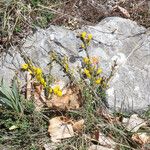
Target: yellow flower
{"x":90,"y":37}
{"x":42,"y":81}
{"x":87,"y":72}
{"x":59,"y":93}
{"x":82,"y":45}
{"x":33,"y":68}
{"x":86,"y":60}
{"x":38,"y":71}
{"x":83,"y":35}
{"x":56,"y":89}
{"x":99,"y":71}
{"x":39,"y":77}
{"x":98,"y":81}
{"x":50,"y":90}
{"x":44,"y":84}
{"x":24,"y":66}
{"x":66,"y":67}
{"x":29,"y":70}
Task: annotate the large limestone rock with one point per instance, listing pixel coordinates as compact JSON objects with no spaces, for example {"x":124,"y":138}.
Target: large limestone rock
{"x":114,"y":38}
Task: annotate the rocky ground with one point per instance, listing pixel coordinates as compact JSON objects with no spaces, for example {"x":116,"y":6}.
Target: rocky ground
{"x":120,"y":44}
{"x":93,"y":11}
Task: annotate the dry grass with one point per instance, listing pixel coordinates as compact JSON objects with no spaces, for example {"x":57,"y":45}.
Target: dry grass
{"x":19,"y":18}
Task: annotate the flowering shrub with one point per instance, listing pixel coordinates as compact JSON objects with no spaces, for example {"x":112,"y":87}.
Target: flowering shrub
{"x":89,"y":70}
{"x":80,"y":105}
{"x":37,"y":73}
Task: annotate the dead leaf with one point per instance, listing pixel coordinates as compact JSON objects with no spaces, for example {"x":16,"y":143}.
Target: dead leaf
{"x":50,"y":146}
{"x":38,"y":89}
{"x":60,"y":128}
{"x":122,"y":10}
{"x":108,"y":116}
{"x":141,"y":138}
{"x":103,"y":140}
{"x":39,"y":98}
{"x":134,"y":123}
{"x":96,"y":135}
{"x":70,"y":100}
{"x":106,"y":141}
{"x":78,"y":126}
{"x":98,"y":147}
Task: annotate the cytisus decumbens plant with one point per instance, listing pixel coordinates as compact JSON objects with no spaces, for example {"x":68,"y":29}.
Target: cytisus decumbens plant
{"x":79,"y":106}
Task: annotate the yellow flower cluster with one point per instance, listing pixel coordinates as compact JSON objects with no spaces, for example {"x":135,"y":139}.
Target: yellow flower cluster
{"x":56,"y":90}
{"x":86,"y":60}
{"x":99,"y":71}
{"x":24,"y":66}
{"x":91,"y":71}
{"x":98,"y":81}
{"x":90,"y":64}
{"x":37,"y":72}
{"x":90,"y":68}
{"x":86,"y":38}
{"x":87,"y":73}
{"x":83,"y":35}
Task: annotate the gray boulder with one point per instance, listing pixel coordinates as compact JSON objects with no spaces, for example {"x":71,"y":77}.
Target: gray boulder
{"x":114,"y":38}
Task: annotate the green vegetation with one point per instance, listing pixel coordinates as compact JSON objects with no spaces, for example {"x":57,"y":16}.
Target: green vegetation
{"x":22,"y":126}
{"x":11,"y":97}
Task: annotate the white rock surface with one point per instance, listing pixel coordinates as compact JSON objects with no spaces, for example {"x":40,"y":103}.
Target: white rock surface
{"x":114,"y":38}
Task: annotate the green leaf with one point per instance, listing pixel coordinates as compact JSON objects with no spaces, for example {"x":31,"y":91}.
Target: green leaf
{"x":10,"y":97}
